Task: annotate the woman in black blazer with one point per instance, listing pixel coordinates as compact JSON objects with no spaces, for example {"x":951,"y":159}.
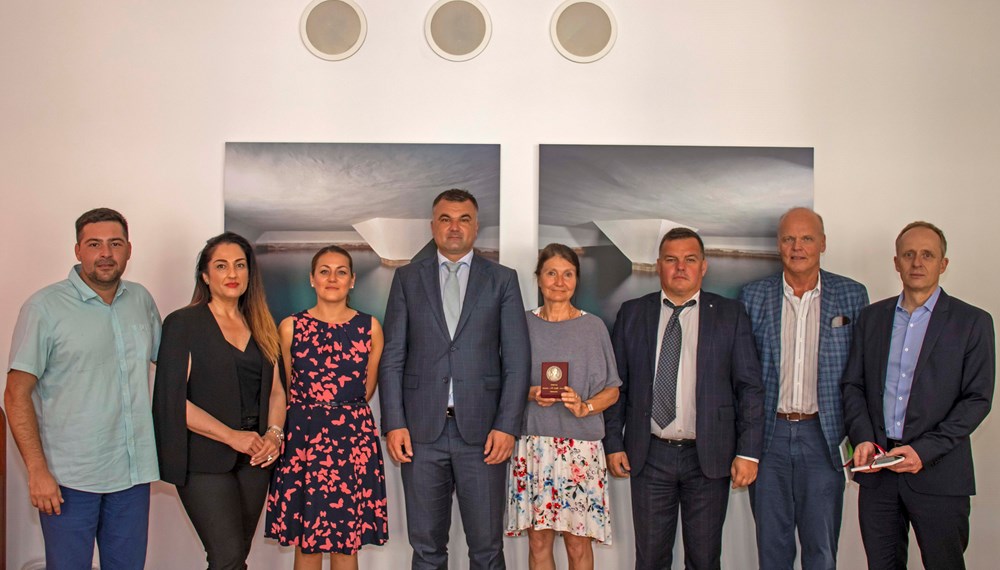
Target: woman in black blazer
{"x":218,"y":403}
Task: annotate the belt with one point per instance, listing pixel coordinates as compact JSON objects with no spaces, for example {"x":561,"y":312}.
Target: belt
{"x":796,"y":416}
{"x":893,"y":443}
{"x":450,"y":412}
{"x":331,"y":405}
{"x":675,"y":442}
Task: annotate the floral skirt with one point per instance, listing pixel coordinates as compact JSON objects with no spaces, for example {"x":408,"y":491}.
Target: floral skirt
{"x":560,"y":484}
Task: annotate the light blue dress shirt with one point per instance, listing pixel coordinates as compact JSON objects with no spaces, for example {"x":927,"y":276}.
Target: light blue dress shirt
{"x":908,"y":331}
{"x":463,"y":283}
{"x":92,"y":397}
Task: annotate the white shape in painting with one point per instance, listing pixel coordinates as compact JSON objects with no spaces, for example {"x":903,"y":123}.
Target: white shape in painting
{"x":638,"y":240}
{"x":395,"y":239}
{"x":573,"y":237}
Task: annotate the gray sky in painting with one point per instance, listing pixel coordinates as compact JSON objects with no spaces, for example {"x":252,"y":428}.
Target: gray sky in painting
{"x":722,"y":191}
{"x":328,"y":187}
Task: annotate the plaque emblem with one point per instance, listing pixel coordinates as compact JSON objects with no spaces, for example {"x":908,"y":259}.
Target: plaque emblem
{"x":553,"y":374}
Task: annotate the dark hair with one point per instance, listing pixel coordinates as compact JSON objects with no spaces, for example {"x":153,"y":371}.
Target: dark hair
{"x":100,"y":215}
{"x":252,"y":303}
{"x":929,"y":226}
{"x":680,"y":233}
{"x":456,"y":195}
{"x":332,"y":249}
{"x":557,"y":250}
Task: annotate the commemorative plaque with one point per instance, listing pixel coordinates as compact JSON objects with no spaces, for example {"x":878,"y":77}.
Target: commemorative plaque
{"x":555,"y":379}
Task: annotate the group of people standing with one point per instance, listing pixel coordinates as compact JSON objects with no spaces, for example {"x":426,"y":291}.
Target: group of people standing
{"x":520,"y":415}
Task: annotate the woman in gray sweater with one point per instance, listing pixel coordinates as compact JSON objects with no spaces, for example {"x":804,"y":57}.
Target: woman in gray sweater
{"x":558,"y":480}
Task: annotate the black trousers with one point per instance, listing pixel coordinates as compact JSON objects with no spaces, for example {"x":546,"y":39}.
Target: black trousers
{"x":224,"y":509}
{"x":672,"y":477}
{"x":941,"y":523}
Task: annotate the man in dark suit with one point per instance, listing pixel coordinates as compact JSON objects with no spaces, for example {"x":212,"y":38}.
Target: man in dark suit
{"x":918,"y":382}
{"x":802,"y":320}
{"x":691,"y":408}
{"x":453,"y":386}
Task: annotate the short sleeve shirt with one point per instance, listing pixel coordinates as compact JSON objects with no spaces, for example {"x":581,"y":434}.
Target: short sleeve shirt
{"x":92,"y":397}
{"x":584,"y":344}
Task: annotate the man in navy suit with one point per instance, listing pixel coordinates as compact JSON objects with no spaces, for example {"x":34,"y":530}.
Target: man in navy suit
{"x":802,"y":320}
{"x":453,"y":385}
{"x":918,"y":382}
{"x":690,"y":407}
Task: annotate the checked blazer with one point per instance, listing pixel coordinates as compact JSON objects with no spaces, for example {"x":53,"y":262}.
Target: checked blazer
{"x":839,"y":296}
{"x":489,"y":359}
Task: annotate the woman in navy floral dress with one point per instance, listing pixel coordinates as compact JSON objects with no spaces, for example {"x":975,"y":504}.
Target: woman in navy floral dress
{"x":328,"y":493}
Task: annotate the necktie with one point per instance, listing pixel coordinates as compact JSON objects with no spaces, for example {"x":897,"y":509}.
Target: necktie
{"x":665,"y":383}
{"x":452,"y":297}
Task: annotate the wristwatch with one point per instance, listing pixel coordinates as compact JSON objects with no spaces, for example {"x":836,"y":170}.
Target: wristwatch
{"x":590,"y":406}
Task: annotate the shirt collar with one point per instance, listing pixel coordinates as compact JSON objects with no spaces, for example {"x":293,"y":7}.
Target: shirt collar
{"x":790,"y":291}
{"x":928,"y":305}
{"x":696,"y":297}
{"x":86,"y":293}
{"x":466,"y":259}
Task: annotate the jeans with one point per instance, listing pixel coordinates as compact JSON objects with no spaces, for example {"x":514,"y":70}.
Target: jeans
{"x":119,"y":521}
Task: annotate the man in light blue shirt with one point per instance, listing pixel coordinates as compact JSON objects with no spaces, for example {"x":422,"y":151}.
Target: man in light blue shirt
{"x":919,"y":380}
{"x":908,"y":332}
{"x":78,"y":402}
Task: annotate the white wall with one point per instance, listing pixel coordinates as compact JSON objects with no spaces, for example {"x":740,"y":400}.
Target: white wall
{"x":128,"y":104}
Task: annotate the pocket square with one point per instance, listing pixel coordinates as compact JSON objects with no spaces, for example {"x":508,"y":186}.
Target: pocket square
{"x":839,"y":321}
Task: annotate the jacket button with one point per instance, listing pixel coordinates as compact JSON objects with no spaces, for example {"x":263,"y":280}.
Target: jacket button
{"x":454,"y":348}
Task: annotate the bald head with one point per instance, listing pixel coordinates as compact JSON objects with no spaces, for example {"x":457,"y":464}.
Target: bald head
{"x":801,"y":213}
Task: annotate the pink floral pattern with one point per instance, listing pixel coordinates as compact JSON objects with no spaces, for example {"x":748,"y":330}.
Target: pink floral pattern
{"x":561,"y":484}
{"x":328,"y":493}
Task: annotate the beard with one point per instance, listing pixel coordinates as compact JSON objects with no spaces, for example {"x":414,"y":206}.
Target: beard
{"x":105,"y":276}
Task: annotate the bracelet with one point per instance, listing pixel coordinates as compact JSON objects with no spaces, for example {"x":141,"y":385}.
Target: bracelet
{"x":277,"y":431}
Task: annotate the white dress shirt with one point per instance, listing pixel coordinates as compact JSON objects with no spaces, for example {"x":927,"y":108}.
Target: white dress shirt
{"x":683,"y":426}
{"x":799,"y":350}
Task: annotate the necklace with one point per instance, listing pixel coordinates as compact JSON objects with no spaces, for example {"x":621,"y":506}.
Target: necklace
{"x":572,"y":314}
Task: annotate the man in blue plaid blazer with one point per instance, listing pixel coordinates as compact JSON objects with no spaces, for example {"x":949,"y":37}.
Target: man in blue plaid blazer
{"x":802,"y":322}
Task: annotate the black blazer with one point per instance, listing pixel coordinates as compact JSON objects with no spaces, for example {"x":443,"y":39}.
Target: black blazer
{"x":952,"y":391}
{"x":730,"y":397}
{"x":212,"y":386}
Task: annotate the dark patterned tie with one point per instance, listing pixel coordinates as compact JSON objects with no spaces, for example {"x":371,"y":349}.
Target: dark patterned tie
{"x":665,"y":383}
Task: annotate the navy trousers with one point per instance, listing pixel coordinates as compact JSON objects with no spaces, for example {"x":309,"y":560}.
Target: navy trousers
{"x":941,"y":523}
{"x":672,"y":477}
{"x":119,"y":521}
{"x":797,"y":487}
{"x":445,"y":466}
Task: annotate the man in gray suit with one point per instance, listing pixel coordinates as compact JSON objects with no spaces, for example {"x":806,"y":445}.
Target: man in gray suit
{"x":453,"y":386}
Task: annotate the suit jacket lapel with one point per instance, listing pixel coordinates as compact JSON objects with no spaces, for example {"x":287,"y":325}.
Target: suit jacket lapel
{"x":938,"y":317}
{"x":706,"y":324}
{"x":774,"y":298}
{"x":432,"y":286}
{"x":883,"y":333}
{"x":827,"y":311}
{"x":474,"y":288}
{"x":652,"y":316}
